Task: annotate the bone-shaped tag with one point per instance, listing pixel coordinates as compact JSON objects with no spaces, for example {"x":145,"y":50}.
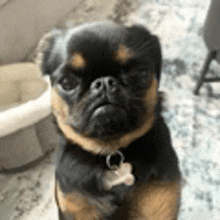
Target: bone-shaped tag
{"x":122,"y":175}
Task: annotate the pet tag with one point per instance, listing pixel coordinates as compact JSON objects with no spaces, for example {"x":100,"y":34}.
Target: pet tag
{"x":122,"y":175}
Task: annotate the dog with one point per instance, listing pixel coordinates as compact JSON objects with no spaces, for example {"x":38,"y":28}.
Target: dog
{"x":115,"y":159}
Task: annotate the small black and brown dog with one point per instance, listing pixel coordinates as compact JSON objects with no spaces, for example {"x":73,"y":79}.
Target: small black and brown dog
{"x":115,"y":157}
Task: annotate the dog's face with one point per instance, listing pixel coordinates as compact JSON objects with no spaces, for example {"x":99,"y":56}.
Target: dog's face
{"x":104,"y":78}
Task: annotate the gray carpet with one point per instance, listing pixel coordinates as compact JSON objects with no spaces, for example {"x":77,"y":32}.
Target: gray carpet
{"x":194,"y":121}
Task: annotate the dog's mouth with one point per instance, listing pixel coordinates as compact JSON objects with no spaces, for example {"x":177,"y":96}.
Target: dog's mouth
{"x":104,"y":108}
{"x":106,"y":119}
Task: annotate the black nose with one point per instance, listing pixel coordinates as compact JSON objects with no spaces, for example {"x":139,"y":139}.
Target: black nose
{"x":107,"y":83}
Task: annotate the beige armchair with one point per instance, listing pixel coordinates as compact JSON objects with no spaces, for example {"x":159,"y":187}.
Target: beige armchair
{"x":212,"y":40}
{"x":27,"y":132}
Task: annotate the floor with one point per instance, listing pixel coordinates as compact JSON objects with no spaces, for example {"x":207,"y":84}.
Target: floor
{"x":194,"y":120}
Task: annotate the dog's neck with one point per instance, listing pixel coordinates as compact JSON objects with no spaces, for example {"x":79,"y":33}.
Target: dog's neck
{"x":96,"y":146}
{"x":141,"y":149}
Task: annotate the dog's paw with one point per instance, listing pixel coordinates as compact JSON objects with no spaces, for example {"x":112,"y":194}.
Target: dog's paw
{"x":123,"y":175}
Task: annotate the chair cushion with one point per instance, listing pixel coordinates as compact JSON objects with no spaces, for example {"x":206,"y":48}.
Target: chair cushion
{"x":9,"y":93}
{"x":20,"y":83}
{"x":24,"y":97}
{"x":31,"y":89}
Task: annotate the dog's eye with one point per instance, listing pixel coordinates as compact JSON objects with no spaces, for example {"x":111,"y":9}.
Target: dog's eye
{"x":130,"y":77}
{"x":135,"y":77}
{"x":68,"y":84}
{"x":144,"y":75}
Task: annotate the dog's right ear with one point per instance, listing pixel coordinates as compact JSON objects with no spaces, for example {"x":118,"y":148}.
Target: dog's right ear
{"x":45,"y":49}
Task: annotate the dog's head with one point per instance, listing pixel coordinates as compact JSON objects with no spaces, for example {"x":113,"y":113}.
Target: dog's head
{"x":104,"y":80}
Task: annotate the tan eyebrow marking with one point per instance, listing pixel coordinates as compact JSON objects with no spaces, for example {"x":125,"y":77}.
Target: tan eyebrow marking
{"x":78,"y":61}
{"x":123,"y":54}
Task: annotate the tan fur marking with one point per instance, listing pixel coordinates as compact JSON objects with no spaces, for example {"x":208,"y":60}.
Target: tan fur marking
{"x":156,"y":201}
{"x":123,"y":54}
{"x":59,"y":107}
{"x":78,"y":61}
{"x":60,"y":198}
{"x":99,"y":147}
{"x":76,"y":205}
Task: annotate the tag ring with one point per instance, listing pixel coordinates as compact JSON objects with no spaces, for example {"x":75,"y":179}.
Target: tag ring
{"x":108,"y":160}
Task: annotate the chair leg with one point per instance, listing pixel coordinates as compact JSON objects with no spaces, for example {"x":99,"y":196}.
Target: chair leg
{"x":210,"y":57}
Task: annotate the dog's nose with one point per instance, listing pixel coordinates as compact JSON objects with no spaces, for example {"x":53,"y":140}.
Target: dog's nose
{"x":107,"y":83}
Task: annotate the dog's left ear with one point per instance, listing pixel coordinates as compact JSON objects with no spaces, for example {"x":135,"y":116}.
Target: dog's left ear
{"x":46,"y":46}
